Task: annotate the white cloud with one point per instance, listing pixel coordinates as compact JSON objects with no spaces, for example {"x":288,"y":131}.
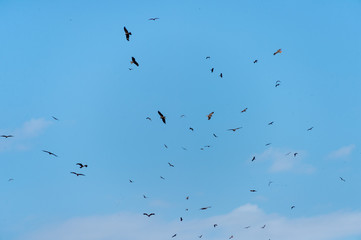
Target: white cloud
{"x":128,"y":226}
{"x":342,"y":152}
{"x":32,"y":128}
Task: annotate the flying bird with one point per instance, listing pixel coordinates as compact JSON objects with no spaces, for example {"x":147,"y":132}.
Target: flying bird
{"x":77,"y":174}
{"x":270,"y":123}
{"x":55,"y":118}
{"x":162,"y":117}
{"x":269,"y":183}
{"x":230,"y":237}
{"x":130,"y":181}
{"x":187,"y":197}
{"x":215,"y":225}
{"x":170,"y":165}
{"x":293,"y":207}
{"x":200,"y":236}
{"x":81,"y":165}
{"x":342,"y":179}
{"x":212,"y":69}
{"x":148,"y":118}
{"x":165,"y":146}
{"x":130,"y":69}
{"x":208,"y":57}
{"x":244,"y":110}
{"x":7,"y":136}
{"x":254,"y":158}
{"x":252,"y":190}
{"x":50,"y":153}
{"x":191,"y":129}
{"x":221,"y":75}
{"x":210,"y":115}
{"x":11,"y":179}
{"x":127,"y":34}
{"x":295,"y":154}
{"x":268,"y":144}
{"x":148,"y":214}
{"x":204,"y":208}
{"x":184,"y":148}
{"x":162,"y":177}
{"x":247,"y":227}
{"x":215,"y":135}
{"x":181,"y":219}
{"x":310,"y":129}
{"x":263,"y":226}
{"x":174,"y":235}
{"x":234,"y":129}
{"x":144,"y":196}
{"x":134,"y":61}
{"x":182,"y":115}
{"x":153,"y":19}
{"x":255,"y":61}
{"x":278,"y":51}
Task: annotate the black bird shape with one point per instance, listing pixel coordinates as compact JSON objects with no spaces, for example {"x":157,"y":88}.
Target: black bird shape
{"x":134,"y":61}
{"x":342,"y":179}
{"x":171,"y":165}
{"x":204,"y":208}
{"x":182,"y":115}
{"x":252,"y":190}
{"x":215,"y":135}
{"x":127,"y":34}
{"x":82,"y":165}
{"x":131,"y":181}
{"x":144,"y":196}
{"x":162,"y":117}
{"x":191,"y":128}
{"x":212,"y":69}
{"x":293,"y":207}
{"x":310,"y":129}
{"x":200,"y":236}
{"x":148,"y":118}
{"x":234,"y":129}
{"x":295,"y":154}
{"x":221,"y":75}
{"x":162,"y":177}
{"x":208,"y":57}
{"x":263,"y":226}
{"x":7,"y":136}
{"x":269,"y":183}
{"x":55,"y":118}
{"x":254,"y":158}
{"x":247,"y":227}
{"x":187,"y":197}
{"x":270,"y":123}
{"x":210,"y":115}
{"x":278,"y":51}
{"x":255,"y":61}
{"x":77,"y":174}
{"x":268,"y":144}
{"x":50,"y":153}
{"x":244,"y":110}
{"x":11,"y":179}
{"x":181,"y":219}
{"x":184,"y":148}
{"x":215,"y":225}
{"x":165,"y":146}
{"x":153,"y":19}
{"x":148,"y":215}
{"x":130,"y":69}
{"x":277,"y":83}
{"x":174,"y":235}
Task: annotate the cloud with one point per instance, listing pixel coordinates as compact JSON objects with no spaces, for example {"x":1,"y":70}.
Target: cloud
{"x":127,"y":226}
{"x":32,"y":128}
{"x":281,"y":161}
{"x":342,"y":152}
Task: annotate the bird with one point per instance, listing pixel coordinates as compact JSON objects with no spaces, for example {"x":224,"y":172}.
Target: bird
{"x":268,"y":144}
{"x":165,"y":146}
{"x":130,"y":69}
{"x":162,"y":117}
{"x":208,"y":57}
{"x":215,"y":135}
{"x":187,"y":197}
{"x":184,"y":148}
{"x":55,"y":118}
{"x":247,"y":227}
{"x":215,"y":225}
{"x":153,"y":19}
{"x":210,"y":115}
{"x":134,"y":61}
{"x":205,"y":208}
{"x":270,"y":123}
{"x":81,"y":165}
{"x":11,"y":179}
{"x":244,"y":110}
{"x":212,"y":69}
{"x":254,"y":158}
{"x":174,"y":235}
{"x":252,"y":190}
{"x":77,"y":174}
{"x":50,"y":153}
{"x":277,"y":83}
{"x":162,"y":177}
{"x":288,"y":153}
{"x":263,"y":226}
{"x":148,"y":118}
{"x":255,"y":61}
{"x":148,"y":214}
{"x":278,"y":51}
{"x":310,"y":129}
{"x":207,"y":146}
{"x":181,"y":219}
{"x":342,"y":179}
{"x":269,"y":183}
{"x":295,"y":154}
{"x":234,"y":129}
{"x":221,"y":75}
{"x":127,"y":34}
{"x":200,"y":236}
{"x":171,"y":165}
{"x":191,"y":129}
{"x":230,"y":237}
{"x":7,"y":136}
{"x":144,"y":196}
{"x":130,"y":181}
{"x":293,"y":207}
{"x":182,"y":115}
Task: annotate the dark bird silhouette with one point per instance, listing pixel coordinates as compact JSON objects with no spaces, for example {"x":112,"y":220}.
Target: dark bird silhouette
{"x":130,"y":181}
{"x":184,"y":148}
{"x":81,"y":165}
{"x":50,"y":153}
{"x":212,"y":69}
{"x":255,"y":61}
{"x":165,"y":146}
{"x":7,"y":136}
{"x":127,"y":34}
{"x":288,"y":153}
{"x":247,"y":227}
{"x":254,"y":158}
{"x":181,"y":219}
{"x":208,"y":57}
{"x":270,"y":123}
{"x":170,"y":165}
{"x":269,"y":183}
{"x":205,"y":208}
{"x":210,"y":115}
{"x":252,"y":190}
{"x":215,"y":225}
{"x":310,"y":129}
{"x":215,"y":135}
{"x":162,"y":177}
{"x":55,"y":118}
{"x":293,"y":207}
{"x":200,"y":236}
{"x":263,"y":226}
{"x":182,"y":115}
{"x":191,"y":129}
{"x":187,"y":197}
{"x":162,"y":117}
{"x":230,"y":237}
{"x":278,"y":82}
{"x":77,"y":174}
{"x":278,"y":51}
{"x":268,"y":144}
{"x":134,"y":61}
{"x":11,"y":179}
{"x":295,"y":154}
{"x":174,"y":235}
{"x":148,"y":118}
{"x":130,"y":69}
{"x":144,"y":196}
{"x":207,"y":146}
{"x":221,"y":75}
{"x":234,"y":129}
{"x":153,"y":19}
{"x":244,"y":110}
{"x":148,"y":214}
{"x":342,"y":179}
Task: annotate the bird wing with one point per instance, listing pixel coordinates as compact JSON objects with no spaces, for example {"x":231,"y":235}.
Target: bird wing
{"x":160,"y":114}
{"x":125,"y":30}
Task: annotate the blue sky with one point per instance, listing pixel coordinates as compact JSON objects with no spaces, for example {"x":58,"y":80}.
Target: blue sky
{"x":70,"y":60}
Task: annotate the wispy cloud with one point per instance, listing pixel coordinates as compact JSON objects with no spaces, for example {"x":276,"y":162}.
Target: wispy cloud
{"x":32,"y":128}
{"x":342,"y":152}
{"x":137,"y":227}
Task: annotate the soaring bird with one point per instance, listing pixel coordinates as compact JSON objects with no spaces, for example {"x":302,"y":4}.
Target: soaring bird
{"x":162,"y":177}
{"x":77,"y":174}
{"x":263,"y":226}
{"x":212,"y":69}
{"x":165,"y":146}
{"x":310,"y":129}
{"x":134,"y":61}
{"x":208,"y":57}
{"x":148,"y":214}
{"x":148,"y":118}
{"x":278,"y":82}
{"x":255,"y":61}
{"x":55,"y":118}
{"x":269,"y":183}
{"x":162,"y":117}
{"x":11,"y":179}
{"x":270,"y":123}
{"x":215,"y":225}
{"x":7,"y":136}
{"x":215,"y":135}
{"x":50,"y":153}
{"x":144,"y":196}
{"x":268,"y":144}
{"x":181,"y":219}
{"x":295,"y":154}
{"x":184,"y":148}
{"x":205,"y":208}
{"x":81,"y":165}
{"x":221,"y":75}
{"x":293,"y":207}
{"x":210,"y":115}
{"x":130,"y":181}
{"x":187,"y":197}
{"x":174,"y":235}
{"x":153,"y":19}
{"x":170,"y":165}
{"x":200,"y":236}
{"x":234,"y":129}
{"x":254,"y":158}
{"x":247,"y":227}
{"x":278,"y":51}
{"x":252,"y":190}
{"x":127,"y":34}
{"x":342,"y":179}
{"x":230,"y":237}
{"x":191,"y":129}
{"x":244,"y":110}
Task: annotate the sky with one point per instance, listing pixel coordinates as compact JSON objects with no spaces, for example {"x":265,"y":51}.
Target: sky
{"x":70,"y":60}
